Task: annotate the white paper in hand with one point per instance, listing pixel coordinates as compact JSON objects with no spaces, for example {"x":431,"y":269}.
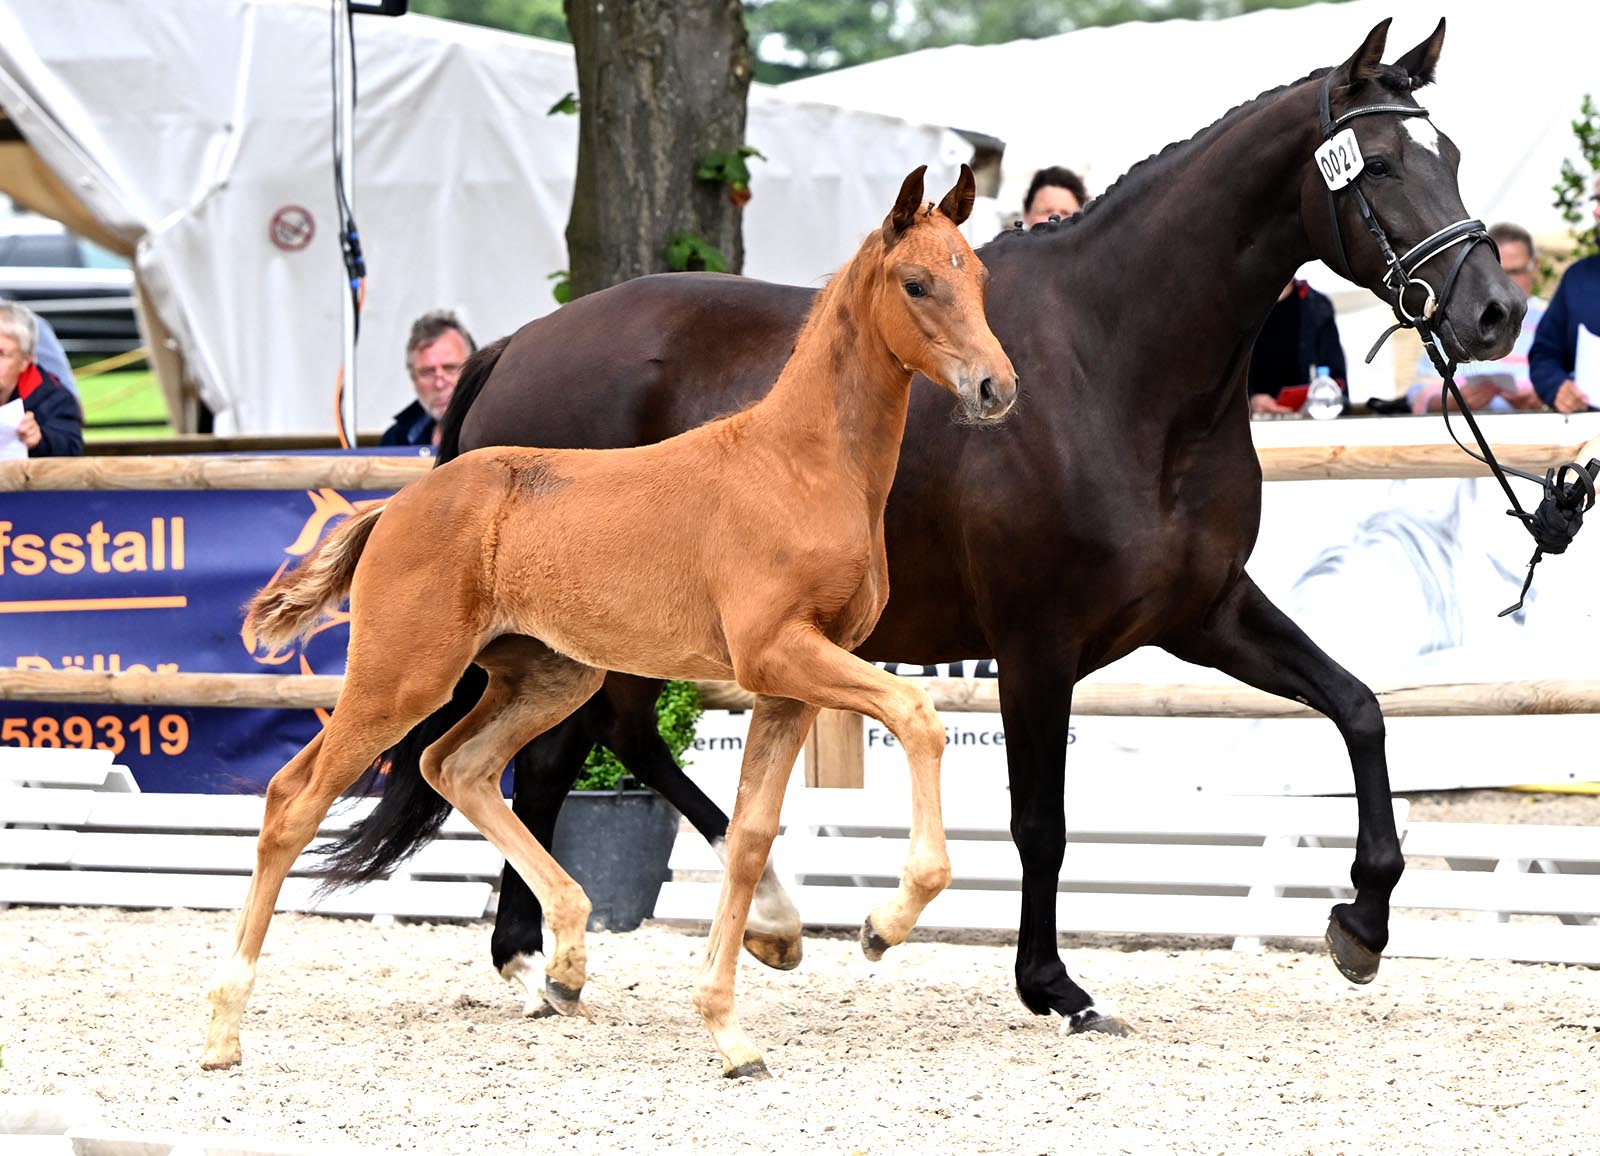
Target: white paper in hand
{"x":10,"y":418}
{"x":1586,"y":365}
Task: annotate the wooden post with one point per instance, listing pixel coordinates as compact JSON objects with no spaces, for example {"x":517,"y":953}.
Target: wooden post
{"x":836,"y":750}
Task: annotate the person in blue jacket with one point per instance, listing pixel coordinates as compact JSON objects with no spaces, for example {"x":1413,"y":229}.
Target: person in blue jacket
{"x":1553,"y":358}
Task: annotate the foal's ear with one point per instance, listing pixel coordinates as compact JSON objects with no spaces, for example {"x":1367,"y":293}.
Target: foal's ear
{"x":957,"y":203}
{"x":906,"y":206}
{"x":1420,"y":62}
{"x":1364,"y":65}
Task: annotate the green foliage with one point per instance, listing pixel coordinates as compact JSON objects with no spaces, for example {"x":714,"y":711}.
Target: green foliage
{"x":729,"y":168}
{"x":690,"y":251}
{"x":799,"y":37}
{"x":544,"y":18}
{"x":566,"y":106}
{"x":1576,"y":191}
{"x":677,"y":713}
{"x":562,"y":289}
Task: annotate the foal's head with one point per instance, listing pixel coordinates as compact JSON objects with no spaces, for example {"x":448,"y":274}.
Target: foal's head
{"x":929,"y":304}
{"x":1406,"y":170}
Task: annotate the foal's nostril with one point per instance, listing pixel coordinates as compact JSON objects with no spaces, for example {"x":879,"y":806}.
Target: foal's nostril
{"x":986,"y":392}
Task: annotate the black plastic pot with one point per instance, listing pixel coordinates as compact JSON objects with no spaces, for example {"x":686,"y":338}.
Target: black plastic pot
{"x":616,"y":845}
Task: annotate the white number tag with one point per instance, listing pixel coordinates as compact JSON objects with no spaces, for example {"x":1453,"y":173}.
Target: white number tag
{"x":1339,"y":160}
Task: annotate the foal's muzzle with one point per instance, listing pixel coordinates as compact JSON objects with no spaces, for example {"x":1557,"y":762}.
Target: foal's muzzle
{"x":988,"y":395}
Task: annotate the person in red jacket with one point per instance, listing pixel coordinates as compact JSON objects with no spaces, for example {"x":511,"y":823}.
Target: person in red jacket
{"x":52,"y":423}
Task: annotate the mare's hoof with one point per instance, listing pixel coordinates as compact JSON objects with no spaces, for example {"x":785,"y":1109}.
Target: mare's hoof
{"x":564,"y":1000}
{"x":777,"y":952}
{"x":754,"y":1069}
{"x":873,"y":945}
{"x":1355,"y":960}
{"x":1090,"y":1020}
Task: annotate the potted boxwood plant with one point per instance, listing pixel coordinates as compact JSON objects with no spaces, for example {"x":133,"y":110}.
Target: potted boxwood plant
{"x":614,"y":835}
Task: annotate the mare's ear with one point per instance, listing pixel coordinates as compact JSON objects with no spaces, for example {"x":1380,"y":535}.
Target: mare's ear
{"x":957,"y":203}
{"x":1420,"y":62}
{"x":905,"y":206}
{"x":1364,"y":65}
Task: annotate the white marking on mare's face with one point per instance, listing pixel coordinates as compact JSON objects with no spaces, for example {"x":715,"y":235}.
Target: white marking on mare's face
{"x":1421,"y":130}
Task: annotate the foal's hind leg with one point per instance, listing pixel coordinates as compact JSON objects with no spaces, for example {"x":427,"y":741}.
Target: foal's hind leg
{"x":531,"y":688}
{"x":371,"y":715}
{"x":1251,"y":639}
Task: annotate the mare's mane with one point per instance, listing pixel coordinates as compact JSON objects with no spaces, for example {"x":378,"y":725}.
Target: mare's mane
{"x":1388,"y":76}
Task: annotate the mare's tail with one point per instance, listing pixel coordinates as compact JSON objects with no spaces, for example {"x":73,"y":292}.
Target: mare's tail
{"x":409,"y":812}
{"x":289,"y":606}
{"x":470,"y":384}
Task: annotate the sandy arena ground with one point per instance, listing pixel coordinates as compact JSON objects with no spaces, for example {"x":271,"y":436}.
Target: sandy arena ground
{"x":404,"y":1038}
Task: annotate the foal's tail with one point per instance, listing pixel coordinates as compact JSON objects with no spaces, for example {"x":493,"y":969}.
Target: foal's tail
{"x":290,"y":605}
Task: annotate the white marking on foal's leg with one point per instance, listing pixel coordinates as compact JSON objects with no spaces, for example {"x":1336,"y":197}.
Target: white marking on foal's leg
{"x":772,"y":932}
{"x":1420,"y":130}
{"x":228,"y":994}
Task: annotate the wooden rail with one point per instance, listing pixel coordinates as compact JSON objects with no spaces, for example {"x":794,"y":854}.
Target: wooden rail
{"x":1532,"y":696}
{"x":311,"y":471}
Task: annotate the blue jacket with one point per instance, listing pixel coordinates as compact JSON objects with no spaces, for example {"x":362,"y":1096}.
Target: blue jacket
{"x":1555,"y":345}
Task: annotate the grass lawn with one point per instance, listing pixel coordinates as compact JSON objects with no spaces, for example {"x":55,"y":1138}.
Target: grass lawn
{"x":112,"y":400}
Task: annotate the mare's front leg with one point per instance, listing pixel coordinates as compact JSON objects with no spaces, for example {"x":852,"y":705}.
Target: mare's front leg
{"x":778,"y":729}
{"x":1036,"y":705}
{"x":1251,"y":639}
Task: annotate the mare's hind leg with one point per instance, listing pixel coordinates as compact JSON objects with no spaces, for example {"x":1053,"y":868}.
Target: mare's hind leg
{"x":374,"y":710}
{"x":531,"y":688}
{"x":1250,"y":638}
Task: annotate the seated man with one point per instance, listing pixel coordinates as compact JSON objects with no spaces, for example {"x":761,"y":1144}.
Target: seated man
{"x":435,"y":351}
{"x":1495,"y":386}
{"x":1553,"y":359}
{"x":1299,"y":335}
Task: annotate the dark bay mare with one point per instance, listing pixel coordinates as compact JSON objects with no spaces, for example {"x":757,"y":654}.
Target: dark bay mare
{"x":1117,"y":512}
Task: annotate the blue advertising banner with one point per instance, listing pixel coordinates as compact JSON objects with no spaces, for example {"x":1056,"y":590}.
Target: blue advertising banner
{"x":156,"y":581}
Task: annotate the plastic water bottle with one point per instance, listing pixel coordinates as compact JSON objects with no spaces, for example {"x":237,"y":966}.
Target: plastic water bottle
{"x":1324,"y":399}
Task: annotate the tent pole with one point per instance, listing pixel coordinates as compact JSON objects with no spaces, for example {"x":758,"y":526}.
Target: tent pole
{"x":345,"y":85}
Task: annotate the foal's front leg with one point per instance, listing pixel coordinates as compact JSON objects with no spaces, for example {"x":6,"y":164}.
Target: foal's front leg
{"x":1251,"y":639}
{"x":778,"y":729}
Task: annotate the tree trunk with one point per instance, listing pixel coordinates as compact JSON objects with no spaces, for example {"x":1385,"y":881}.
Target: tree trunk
{"x":661,"y":83}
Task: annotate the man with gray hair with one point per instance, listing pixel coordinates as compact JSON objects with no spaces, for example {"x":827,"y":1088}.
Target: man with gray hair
{"x":438,"y":346}
{"x":52,"y":423}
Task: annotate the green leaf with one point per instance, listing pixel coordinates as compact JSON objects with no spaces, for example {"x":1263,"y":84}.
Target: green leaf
{"x":689,"y":251}
{"x":678,"y":712}
{"x":562,"y":289}
{"x":566,"y":106}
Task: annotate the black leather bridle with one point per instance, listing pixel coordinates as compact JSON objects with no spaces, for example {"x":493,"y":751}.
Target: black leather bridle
{"x":1569,"y":492}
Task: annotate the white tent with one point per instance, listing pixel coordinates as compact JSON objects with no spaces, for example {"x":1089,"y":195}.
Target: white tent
{"x":196,"y":135}
{"x":1098,"y":100}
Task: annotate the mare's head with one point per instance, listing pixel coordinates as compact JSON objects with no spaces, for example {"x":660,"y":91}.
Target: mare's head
{"x":929,"y":304}
{"x":1406,"y":172}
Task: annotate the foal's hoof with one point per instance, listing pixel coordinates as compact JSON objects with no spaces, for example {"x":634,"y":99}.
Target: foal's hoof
{"x":1091,"y":1019}
{"x":220,"y":1065}
{"x":754,"y":1069}
{"x":1355,"y":960}
{"x":775,"y":951}
{"x":564,"y":1000}
{"x":873,"y":945}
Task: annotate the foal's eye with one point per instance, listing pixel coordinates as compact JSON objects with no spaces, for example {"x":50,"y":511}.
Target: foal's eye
{"x":1377,"y":167}
{"x":915,"y":289}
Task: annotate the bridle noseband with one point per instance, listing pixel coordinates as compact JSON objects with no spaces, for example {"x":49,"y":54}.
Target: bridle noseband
{"x":1569,"y":493}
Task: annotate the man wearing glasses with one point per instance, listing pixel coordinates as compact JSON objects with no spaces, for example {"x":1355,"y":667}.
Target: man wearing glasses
{"x":435,"y":351}
{"x":1502,"y":386}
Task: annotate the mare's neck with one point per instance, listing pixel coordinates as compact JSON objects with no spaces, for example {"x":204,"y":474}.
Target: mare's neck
{"x":843,"y":395}
{"x":1201,"y":243}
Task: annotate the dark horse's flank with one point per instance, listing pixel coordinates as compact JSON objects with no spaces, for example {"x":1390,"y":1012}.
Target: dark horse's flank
{"x":1119,"y":514}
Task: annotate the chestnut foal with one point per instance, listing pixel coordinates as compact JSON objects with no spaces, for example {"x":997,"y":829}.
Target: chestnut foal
{"x":750,"y":548}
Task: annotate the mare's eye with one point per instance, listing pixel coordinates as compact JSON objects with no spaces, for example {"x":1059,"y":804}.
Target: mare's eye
{"x":1377,"y":167}
{"x":915,"y":289}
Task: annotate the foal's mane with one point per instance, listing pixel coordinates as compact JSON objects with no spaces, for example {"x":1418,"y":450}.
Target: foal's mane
{"x":1388,"y":76}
